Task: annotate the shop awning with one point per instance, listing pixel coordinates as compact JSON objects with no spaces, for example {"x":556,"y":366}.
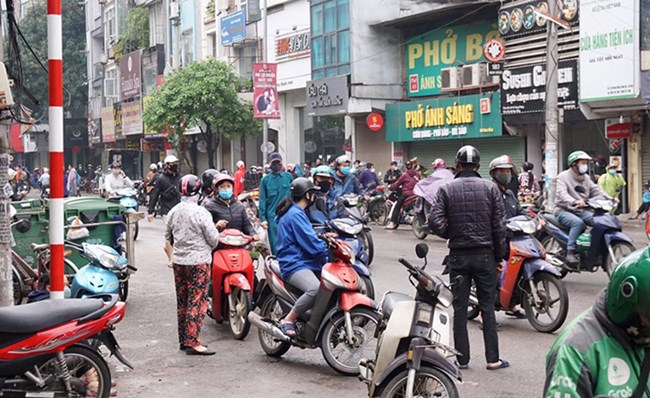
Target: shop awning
{"x":442,"y":10}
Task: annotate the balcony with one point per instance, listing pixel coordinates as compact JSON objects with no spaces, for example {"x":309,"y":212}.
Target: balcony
{"x":98,"y":73}
{"x":98,"y":32}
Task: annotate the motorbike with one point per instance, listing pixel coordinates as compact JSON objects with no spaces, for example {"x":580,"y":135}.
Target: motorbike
{"x":342,"y":322}
{"x":127,"y":198}
{"x":529,"y":279}
{"x":414,"y":356}
{"x":233,"y":282}
{"x":44,"y":350}
{"x":426,"y":191}
{"x":141,"y":189}
{"x":250,"y":199}
{"x":108,"y":272}
{"x":407,"y":212}
{"x":376,"y":206}
{"x":352,"y":206}
{"x":605,"y":245}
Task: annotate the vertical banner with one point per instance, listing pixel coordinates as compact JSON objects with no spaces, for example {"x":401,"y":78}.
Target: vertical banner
{"x":265,"y":93}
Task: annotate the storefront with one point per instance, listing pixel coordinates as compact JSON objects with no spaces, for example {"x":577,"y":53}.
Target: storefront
{"x":327,"y":103}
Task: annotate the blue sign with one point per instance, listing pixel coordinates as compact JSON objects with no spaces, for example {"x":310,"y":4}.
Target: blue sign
{"x":233,"y":28}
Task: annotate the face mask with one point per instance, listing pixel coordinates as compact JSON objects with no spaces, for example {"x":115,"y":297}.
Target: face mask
{"x":116,"y":173}
{"x":583,"y":169}
{"x":345,"y":170}
{"x":372,"y":170}
{"x":225,"y":194}
{"x":324,"y":186}
{"x":503,"y":179}
{"x":612,"y":172}
{"x":276,"y":167}
{"x":173,"y":168}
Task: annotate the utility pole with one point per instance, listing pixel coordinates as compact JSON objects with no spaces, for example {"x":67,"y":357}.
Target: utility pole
{"x":552,"y":113}
{"x":265,"y":128}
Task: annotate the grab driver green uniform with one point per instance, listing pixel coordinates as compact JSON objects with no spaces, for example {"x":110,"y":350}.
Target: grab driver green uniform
{"x":601,"y":352}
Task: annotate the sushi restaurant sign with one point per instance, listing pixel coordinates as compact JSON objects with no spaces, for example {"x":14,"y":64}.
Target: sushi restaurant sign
{"x":469,"y":116}
{"x":427,"y":55}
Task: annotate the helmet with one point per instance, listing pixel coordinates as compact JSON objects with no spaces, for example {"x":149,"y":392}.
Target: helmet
{"x":342,"y":160}
{"x":577,"y":155}
{"x":240,"y":164}
{"x":189,"y":185}
{"x":468,"y":154}
{"x":527,"y":166}
{"x":11,"y":174}
{"x":323,"y":171}
{"x":208,"y":177}
{"x":171,"y":159}
{"x":438,"y":163}
{"x":502,"y":162}
{"x":221,"y":178}
{"x":628,"y":291}
{"x":301,"y":185}
{"x":160,"y":165}
{"x":153,"y":167}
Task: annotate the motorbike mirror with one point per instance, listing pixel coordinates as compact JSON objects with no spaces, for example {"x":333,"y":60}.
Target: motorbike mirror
{"x":580,"y":189}
{"x":421,"y":250}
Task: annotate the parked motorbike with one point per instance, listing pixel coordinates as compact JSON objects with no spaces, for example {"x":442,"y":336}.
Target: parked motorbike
{"x":530,"y":280}
{"x":233,"y":282}
{"x":342,"y":322}
{"x":249,"y":199}
{"x":414,"y":354}
{"x":605,"y":245}
{"x":127,"y":198}
{"x":352,"y":206}
{"x":108,"y":272}
{"x":43,"y":348}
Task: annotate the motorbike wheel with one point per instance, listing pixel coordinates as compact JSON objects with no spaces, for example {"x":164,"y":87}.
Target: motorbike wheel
{"x":369,"y":245}
{"x":124,"y":290}
{"x":238,"y":316}
{"x":338,"y":353}
{"x":537,"y":313}
{"x":366,"y":286}
{"x":620,"y":250}
{"x":418,"y":228}
{"x":90,"y":376}
{"x":429,"y":382}
{"x":271,"y":309}
{"x":378,"y":213}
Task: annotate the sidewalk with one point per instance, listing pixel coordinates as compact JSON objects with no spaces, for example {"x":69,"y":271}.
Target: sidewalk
{"x":632,"y":224}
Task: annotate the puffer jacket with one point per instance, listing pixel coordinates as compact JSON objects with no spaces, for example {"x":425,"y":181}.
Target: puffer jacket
{"x":233,"y":212}
{"x":469,"y":212}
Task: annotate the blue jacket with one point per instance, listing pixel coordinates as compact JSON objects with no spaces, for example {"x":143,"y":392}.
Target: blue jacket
{"x":646,"y":196}
{"x":298,"y":246}
{"x":340,"y":187}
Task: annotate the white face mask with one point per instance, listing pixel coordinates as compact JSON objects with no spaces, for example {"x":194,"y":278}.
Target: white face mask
{"x":583,"y":169}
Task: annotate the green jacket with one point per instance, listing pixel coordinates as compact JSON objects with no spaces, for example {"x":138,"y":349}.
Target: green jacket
{"x":610,"y":183}
{"x":592,"y":357}
{"x":273,"y":188}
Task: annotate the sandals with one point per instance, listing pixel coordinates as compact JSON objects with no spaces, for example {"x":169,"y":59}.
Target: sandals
{"x":504,"y":364}
{"x":289,"y":330}
{"x":516,"y":314}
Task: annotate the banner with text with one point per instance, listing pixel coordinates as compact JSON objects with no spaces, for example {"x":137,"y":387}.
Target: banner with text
{"x":265,"y":93}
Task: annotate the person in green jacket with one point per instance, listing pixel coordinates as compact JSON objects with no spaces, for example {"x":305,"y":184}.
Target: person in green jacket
{"x":602,"y":352}
{"x":611,"y":182}
{"x":274,"y":187}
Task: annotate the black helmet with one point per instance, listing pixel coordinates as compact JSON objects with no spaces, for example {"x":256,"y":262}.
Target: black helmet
{"x":189,"y":185}
{"x":300,"y":186}
{"x":468,"y":154}
{"x":527,"y":166}
{"x":208,"y":176}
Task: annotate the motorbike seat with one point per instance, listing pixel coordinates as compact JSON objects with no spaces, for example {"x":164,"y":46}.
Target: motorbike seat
{"x":390,"y":300}
{"x":551,"y":218}
{"x":34,"y":317}
{"x":275,"y":267}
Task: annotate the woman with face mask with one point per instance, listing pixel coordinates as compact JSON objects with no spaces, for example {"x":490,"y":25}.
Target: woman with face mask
{"x":611,"y":182}
{"x":227,"y":212}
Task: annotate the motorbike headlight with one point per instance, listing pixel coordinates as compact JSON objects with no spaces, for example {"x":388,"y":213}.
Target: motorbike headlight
{"x":107,"y":260}
{"x":424,"y":314}
{"x":528,"y":227}
{"x":129,"y":202}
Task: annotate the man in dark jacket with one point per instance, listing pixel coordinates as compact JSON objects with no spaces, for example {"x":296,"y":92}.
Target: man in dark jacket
{"x":392,"y":174}
{"x":368,"y":178}
{"x":469,"y":212}
{"x":406,"y":182}
{"x":501,"y":172}
{"x":165,"y":189}
{"x":226,"y":210}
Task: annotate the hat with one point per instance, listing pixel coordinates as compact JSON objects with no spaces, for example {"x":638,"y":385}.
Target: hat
{"x":275,"y":157}
{"x":11,"y":174}
{"x":612,"y":166}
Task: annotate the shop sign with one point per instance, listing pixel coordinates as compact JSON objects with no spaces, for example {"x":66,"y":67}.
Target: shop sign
{"x":117,"y":120}
{"x":524,"y":18}
{"x":94,"y":131}
{"x":130,"y":75}
{"x":427,"y":55}
{"x":131,"y":118}
{"x":444,"y":118}
{"x":615,"y":130}
{"x":152,"y":145}
{"x":76,"y":132}
{"x":293,"y":46}
{"x":375,"y":121}
{"x":233,"y":28}
{"x":328,"y":96}
{"x":108,"y":124}
{"x":609,"y":50}
{"x":265,"y":92}
{"x":524,"y":89}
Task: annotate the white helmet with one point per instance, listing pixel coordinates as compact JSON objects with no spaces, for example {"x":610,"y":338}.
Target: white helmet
{"x":240,"y":164}
{"x":171,"y":159}
{"x":153,"y":167}
{"x":342,"y":160}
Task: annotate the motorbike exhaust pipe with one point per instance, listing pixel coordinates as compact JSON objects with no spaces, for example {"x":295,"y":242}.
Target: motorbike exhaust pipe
{"x":266,"y":326}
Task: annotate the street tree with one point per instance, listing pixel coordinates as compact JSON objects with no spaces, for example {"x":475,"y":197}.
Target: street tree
{"x":204,"y":94}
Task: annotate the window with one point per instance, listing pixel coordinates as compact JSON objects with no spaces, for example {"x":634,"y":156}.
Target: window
{"x":330,"y":32}
{"x":111,"y":93}
{"x":187,"y":45}
{"x":247,"y":56}
{"x":212,"y":44}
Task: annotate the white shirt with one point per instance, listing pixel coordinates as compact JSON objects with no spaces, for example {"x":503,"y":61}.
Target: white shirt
{"x":114,"y":182}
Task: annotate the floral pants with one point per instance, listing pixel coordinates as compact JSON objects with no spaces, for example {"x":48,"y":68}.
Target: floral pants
{"x":191,"y":301}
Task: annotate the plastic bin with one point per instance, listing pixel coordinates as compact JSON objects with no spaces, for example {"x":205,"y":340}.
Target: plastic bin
{"x":38,"y":233}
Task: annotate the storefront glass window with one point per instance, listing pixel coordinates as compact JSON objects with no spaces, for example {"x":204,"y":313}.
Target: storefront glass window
{"x":330,"y":32}
{"x":344,"y":14}
{"x":317,"y":20}
{"x":344,"y":47}
{"x":330,"y":16}
{"x":324,"y":138}
{"x":645,"y":25}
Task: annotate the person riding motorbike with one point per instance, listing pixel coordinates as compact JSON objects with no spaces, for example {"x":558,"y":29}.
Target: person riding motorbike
{"x":323,"y":179}
{"x":226,"y":210}
{"x":606,"y":350}
{"x":116,"y":180}
{"x":368,"y":178}
{"x":300,"y":253}
{"x":345,"y":183}
{"x":406,"y":182}
{"x":392,"y":174}
{"x":570,"y":205}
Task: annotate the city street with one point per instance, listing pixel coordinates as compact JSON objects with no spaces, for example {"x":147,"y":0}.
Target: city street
{"x":240,"y":369}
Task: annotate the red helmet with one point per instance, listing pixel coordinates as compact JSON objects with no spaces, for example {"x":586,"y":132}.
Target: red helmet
{"x":190,"y":185}
{"x":438,"y":164}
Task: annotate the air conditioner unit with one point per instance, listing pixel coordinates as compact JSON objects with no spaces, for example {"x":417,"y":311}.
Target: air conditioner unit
{"x":103,"y":59}
{"x":451,"y":78}
{"x":6,"y":97}
{"x":475,"y":75}
{"x":174,"y":10}
{"x":111,"y":53}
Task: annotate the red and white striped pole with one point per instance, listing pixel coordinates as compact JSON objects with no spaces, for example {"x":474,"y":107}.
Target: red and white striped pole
{"x":57,"y":163}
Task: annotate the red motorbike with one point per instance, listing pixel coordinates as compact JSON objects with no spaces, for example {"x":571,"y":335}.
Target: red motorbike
{"x":44,"y":348}
{"x":233,"y":281}
{"x":342,"y":322}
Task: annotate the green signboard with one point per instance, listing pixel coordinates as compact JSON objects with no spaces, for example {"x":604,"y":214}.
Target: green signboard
{"x":469,"y":116}
{"x":428,"y":54}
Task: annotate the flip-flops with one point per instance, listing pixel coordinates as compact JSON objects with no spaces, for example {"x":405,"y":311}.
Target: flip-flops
{"x":504,"y":364}
{"x":289,"y":330}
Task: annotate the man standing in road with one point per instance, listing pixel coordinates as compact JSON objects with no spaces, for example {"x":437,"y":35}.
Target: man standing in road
{"x":469,"y":212}
{"x":166,"y":192}
{"x":274,"y":187}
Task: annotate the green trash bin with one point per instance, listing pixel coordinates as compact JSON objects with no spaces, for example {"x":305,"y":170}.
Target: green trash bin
{"x":38,"y":233}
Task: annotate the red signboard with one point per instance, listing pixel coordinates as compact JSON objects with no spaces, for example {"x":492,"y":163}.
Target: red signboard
{"x":494,"y":50}
{"x":265,"y":93}
{"x":618,"y":130}
{"x":375,"y":121}
{"x":16,"y":138}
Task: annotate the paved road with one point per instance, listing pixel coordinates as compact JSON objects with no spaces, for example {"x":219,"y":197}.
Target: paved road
{"x":240,"y":369}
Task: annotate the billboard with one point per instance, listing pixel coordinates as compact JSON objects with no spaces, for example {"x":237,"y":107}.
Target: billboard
{"x":265,"y":93}
{"x":233,"y":28}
